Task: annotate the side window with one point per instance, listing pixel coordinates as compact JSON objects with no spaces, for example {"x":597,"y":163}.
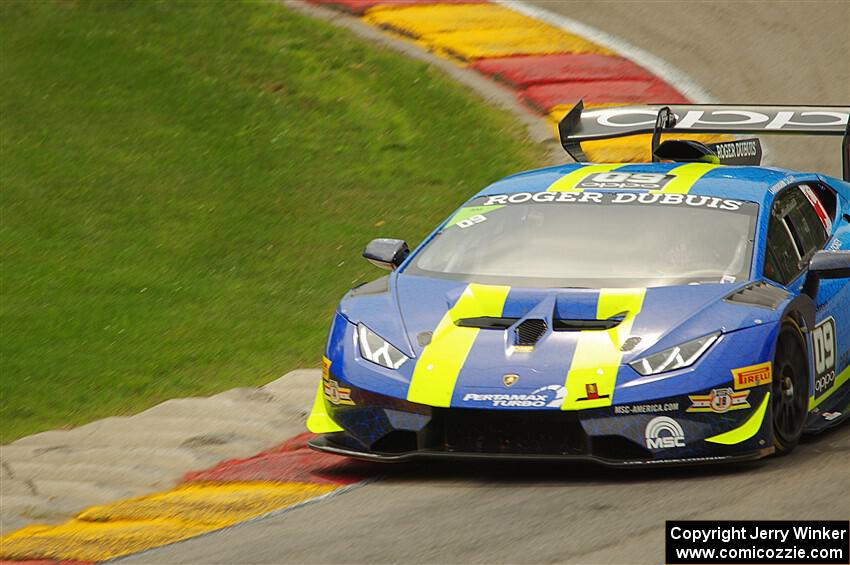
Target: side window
{"x":797,"y":229}
{"x":809,"y":220}
{"x":825,"y":202}
{"x":782,"y":261}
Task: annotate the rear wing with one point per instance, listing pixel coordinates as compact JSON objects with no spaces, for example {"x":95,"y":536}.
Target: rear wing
{"x":581,"y":125}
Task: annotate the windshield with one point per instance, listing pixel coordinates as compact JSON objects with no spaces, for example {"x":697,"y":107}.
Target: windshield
{"x":593,"y":240}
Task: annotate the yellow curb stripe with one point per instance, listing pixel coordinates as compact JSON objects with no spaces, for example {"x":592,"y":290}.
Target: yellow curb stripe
{"x":436,"y":372}
{"x":539,"y":40}
{"x":133,"y":525}
{"x":596,"y":360}
{"x":474,"y":31}
{"x":416,"y":21}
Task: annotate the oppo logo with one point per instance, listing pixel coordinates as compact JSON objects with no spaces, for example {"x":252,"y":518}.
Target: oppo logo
{"x":766,"y":120}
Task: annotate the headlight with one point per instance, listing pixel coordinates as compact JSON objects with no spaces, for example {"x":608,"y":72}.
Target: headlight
{"x":376,"y":349}
{"x":674,"y":358}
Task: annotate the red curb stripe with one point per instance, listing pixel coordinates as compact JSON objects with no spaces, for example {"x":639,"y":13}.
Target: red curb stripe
{"x":359,"y":7}
{"x":524,"y":71}
{"x":292,"y":461}
{"x":43,"y":562}
{"x":544,"y":97}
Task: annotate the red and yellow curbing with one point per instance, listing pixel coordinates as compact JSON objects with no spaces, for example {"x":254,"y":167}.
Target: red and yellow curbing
{"x":229,"y":493}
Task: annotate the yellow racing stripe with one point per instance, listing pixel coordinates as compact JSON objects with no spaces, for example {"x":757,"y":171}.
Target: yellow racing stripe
{"x":597,"y":356}
{"x":686,"y":177}
{"x":568,"y":182}
{"x":436,"y":371}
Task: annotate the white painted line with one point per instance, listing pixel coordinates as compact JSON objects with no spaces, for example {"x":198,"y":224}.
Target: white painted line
{"x":657,"y":66}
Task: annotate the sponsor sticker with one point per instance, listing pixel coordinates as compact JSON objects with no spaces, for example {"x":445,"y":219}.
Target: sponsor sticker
{"x":823,"y":349}
{"x":752,"y":376}
{"x":646,"y":181}
{"x":663,"y":432}
{"x":592,"y":393}
{"x":719,"y":400}
{"x":647,"y":408}
{"x":335,"y":394}
{"x":741,"y":152}
{"x":615,"y":198}
{"x":551,"y":396}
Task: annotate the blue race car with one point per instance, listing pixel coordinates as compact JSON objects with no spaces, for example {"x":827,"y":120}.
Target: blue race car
{"x":692,"y":309}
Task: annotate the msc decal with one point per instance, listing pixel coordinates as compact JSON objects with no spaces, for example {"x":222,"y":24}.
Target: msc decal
{"x":664,"y":433}
{"x":719,"y":400}
{"x":823,"y":350}
{"x":752,"y":376}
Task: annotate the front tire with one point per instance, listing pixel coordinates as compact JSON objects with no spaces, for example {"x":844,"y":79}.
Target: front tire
{"x":790,"y":389}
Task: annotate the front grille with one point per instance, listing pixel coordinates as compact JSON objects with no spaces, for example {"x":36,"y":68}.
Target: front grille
{"x":516,"y":432}
{"x":530,"y":331}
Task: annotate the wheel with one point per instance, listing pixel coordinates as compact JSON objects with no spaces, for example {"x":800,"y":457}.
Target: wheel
{"x":790,"y":390}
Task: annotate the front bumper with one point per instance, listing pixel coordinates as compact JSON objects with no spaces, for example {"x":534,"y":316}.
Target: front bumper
{"x":382,"y":428}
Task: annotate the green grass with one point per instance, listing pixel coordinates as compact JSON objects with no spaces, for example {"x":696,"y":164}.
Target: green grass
{"x":187,"y":187}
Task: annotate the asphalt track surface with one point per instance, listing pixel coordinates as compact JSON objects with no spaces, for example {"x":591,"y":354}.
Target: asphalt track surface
{"x":758,"y":52}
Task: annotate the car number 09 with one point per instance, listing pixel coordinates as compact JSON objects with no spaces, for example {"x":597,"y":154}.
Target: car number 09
{"x":471,"y":221}
{"x":823,"y":343}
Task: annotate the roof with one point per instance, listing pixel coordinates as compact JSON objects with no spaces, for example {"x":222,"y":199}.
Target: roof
{"x":750,"y":183}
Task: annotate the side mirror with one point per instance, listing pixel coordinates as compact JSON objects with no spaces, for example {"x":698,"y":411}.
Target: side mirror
{"x":386,"y":253}
{"x":826,"y":265}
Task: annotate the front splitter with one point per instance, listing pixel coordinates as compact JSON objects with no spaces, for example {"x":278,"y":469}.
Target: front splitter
{"x":324,"y":444}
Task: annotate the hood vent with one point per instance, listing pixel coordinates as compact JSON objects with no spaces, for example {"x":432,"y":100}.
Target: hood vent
{"x":581,"y":325}
{"x":759,"y":294}
{"x":559,"y":325}
{"x":487,"y":323}
{"x":530,"y":331}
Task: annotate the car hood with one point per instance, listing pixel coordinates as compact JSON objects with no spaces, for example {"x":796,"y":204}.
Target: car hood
{"x":444,"y":324}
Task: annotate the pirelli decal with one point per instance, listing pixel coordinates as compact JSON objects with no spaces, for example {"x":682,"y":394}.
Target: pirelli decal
{"x":752,"y":376}
{"x":436,"y":372}
{"x":598,"y":353}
